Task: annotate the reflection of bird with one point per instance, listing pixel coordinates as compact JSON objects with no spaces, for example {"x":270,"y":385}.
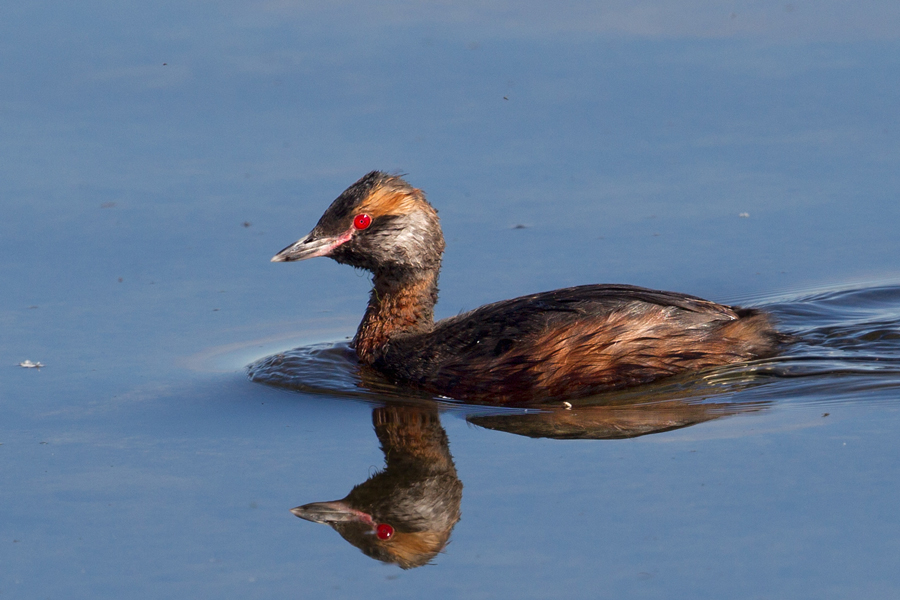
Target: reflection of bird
{"x":565,"y":343}
{"x":654,"y":408}
{"x":610,"y":422}
{"x":405,"y":513}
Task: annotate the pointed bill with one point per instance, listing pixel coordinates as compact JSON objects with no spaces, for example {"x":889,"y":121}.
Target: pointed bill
{"x":311,"y":246}
{"x":336,"y":511}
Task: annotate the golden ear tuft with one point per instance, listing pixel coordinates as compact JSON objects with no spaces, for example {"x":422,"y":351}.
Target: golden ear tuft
{"x":392,"y":200}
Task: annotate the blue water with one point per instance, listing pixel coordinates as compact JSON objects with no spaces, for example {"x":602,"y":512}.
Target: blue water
{"x":153,"y":158}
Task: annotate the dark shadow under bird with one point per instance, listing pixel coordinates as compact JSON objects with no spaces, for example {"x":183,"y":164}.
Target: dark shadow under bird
{"x":565,"y":343}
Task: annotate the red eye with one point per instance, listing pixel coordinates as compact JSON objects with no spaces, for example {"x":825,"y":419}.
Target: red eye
{"x":383,"y":531}
{"x":362,"y":222}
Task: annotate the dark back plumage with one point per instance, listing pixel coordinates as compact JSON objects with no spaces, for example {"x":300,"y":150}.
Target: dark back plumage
{"x":574,"y":342}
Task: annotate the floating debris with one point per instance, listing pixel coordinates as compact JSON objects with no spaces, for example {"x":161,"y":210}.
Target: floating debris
{"x":744,"y":215}
{"x":27,"y":364}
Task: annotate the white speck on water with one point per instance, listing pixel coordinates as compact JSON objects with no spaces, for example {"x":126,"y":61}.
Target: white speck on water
{"x":744,"y":215}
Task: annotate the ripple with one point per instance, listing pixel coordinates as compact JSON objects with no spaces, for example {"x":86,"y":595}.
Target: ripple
{"x":846,"y":348}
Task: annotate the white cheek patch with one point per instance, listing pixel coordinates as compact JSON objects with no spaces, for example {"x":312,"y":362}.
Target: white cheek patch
{"x":409,"y":238}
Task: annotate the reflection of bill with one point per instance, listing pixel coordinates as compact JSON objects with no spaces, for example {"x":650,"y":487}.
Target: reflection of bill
{"x":403,"y":514}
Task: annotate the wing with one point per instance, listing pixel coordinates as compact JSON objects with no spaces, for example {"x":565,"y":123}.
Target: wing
{"x":586,"y":338}
{"x":495,"y":328}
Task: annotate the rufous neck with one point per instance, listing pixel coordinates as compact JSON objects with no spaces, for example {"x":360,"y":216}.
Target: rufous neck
{"x":400,"y":304}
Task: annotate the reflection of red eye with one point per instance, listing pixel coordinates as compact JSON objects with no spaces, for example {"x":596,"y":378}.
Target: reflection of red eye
{"x":362,"y":221}
{"x":384,"y":531}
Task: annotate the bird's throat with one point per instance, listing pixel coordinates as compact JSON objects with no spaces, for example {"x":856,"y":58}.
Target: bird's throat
{"x":399,"y":305}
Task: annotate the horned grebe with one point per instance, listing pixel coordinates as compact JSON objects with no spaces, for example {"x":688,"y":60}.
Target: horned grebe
{"x":561,"y":344}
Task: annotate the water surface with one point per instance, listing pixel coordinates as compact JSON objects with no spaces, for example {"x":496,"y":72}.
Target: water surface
{"x":153,"y":159}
